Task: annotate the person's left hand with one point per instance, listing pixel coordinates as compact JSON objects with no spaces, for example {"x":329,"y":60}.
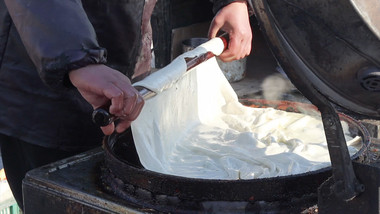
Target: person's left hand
{"x":233,"y":19}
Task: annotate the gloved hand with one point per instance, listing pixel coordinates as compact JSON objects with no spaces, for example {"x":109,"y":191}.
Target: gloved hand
{"x":99,"y":84}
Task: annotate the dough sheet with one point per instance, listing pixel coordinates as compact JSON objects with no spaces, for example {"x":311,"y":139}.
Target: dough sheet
{"x":196,"y":128}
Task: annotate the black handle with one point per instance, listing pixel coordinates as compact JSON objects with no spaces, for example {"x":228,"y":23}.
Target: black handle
{"x":102,"y":117}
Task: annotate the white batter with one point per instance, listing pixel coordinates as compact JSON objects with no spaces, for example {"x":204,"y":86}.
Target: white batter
{"x":197,"y":128}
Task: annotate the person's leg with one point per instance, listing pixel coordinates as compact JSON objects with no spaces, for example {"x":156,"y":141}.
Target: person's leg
{"x":13,"y":165}
{"x":19,"y":157}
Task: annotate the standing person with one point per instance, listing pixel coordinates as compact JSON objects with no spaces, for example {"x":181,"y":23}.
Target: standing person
{"x":61,"y":59}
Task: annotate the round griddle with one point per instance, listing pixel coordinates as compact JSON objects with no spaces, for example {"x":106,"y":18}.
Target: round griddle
{"x":124,"y":176}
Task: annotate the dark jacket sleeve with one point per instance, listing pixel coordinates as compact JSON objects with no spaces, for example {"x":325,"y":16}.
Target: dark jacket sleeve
{"x":218,"y":4}
{"x":57,"y":36}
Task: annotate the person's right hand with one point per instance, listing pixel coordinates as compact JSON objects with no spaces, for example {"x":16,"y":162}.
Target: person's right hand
{"x":233,"y":19}
{"x":99,"y":84}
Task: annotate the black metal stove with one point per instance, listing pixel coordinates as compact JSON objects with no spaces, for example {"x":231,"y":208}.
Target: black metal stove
{"x":112,"y":180}
{"x":73,"y":186}
{"x":330,"y":53}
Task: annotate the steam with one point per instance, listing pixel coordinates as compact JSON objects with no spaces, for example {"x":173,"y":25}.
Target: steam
{"x":275,"y":86}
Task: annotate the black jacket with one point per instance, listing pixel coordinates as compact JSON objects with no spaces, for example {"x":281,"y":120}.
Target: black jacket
{"x":40,"y":42}
{"x":218,"y":4}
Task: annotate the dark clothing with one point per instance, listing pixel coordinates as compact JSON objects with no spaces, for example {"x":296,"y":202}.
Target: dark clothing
{"x":19,"y":157}
{"x":41,"y":41}
{"x":219,"y":4}
{"x":42,"y":117}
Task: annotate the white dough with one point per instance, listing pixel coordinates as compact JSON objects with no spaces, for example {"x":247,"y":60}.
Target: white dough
{"x":197,"y":128}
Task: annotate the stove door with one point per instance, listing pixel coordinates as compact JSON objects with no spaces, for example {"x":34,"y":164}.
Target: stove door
{"x":330,"y":43}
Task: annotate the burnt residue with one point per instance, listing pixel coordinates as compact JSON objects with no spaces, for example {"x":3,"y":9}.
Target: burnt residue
{"x":154,"y":202}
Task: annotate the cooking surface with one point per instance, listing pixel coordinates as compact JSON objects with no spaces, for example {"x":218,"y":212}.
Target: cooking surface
{"x":73,"y":186}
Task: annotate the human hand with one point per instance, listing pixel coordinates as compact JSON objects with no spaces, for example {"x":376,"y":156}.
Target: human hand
{"x":99,"y":84}
{"x":233,"y":19}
